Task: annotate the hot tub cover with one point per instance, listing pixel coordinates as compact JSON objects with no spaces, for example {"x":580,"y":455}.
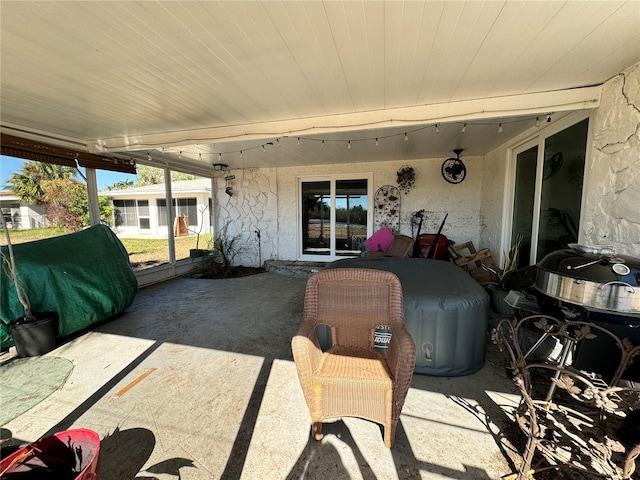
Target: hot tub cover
{"x":85,"y":277}
{"x":446,"y":312}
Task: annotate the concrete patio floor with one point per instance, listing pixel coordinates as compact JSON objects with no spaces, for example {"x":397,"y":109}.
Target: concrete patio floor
{"x":195,"y":380}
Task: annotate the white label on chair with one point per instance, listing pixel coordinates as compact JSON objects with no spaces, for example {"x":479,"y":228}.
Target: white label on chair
{"x":382,"y":339}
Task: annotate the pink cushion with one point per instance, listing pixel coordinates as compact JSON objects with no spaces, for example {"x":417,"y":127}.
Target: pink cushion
{"x":379,"y":240}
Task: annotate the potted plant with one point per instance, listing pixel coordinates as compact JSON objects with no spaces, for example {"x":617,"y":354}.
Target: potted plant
{"x":199,"y":252}
{"x":33,"y":333}
{"x":497,"y":290}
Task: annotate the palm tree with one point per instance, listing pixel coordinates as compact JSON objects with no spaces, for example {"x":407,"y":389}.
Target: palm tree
{"x":27,"y":183}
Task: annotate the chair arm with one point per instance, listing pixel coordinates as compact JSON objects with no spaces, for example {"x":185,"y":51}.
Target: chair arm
{"x":401,"y":359}
{"x":306,"y":355}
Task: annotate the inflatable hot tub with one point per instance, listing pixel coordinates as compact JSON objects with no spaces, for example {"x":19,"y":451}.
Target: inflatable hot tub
{"x":446,"y":312}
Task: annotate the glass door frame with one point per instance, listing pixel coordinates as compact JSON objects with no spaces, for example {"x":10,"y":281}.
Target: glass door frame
{"x":331,"y":178}
{"x":539,"y":140}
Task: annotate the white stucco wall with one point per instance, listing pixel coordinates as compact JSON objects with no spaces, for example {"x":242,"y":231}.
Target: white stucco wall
{"x":492,"y":198}
{"x":611,"y":208}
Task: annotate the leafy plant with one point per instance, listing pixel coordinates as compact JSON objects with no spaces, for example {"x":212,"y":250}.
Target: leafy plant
{"x":406,"y":178}
{"x":225,"y":250}
{"x":510,"y":262}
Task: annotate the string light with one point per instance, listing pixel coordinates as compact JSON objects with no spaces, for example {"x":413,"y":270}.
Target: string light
{"x":405,"y":135}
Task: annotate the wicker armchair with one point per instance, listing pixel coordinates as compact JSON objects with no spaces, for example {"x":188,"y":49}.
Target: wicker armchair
{"x":401,"y":247}
{"x":351,"y":378}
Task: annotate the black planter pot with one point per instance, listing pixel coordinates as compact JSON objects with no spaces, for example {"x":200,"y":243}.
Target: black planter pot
{"x":198,"y":252}
{"x":35,"y":338}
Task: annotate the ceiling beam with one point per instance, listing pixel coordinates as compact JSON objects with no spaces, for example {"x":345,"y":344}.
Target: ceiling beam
{"x":469,"y":110}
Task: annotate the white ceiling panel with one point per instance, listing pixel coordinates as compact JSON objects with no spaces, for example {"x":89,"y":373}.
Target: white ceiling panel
{"x":137,"y":76}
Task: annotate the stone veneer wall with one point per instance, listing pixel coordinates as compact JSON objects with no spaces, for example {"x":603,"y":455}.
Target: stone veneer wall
{"x":611,"y":210}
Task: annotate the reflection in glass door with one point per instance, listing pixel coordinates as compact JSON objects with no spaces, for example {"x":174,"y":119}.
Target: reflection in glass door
{"x":351,"y":217}
{"x":334,"y":217}
{"x":316,"y":217}
{"x":561,"y":196}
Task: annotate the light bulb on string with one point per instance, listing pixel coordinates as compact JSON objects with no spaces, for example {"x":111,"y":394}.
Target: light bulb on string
{"x":349,"y":145}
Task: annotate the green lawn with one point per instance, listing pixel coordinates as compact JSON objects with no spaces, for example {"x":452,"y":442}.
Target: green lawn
{"x":143,"y":252}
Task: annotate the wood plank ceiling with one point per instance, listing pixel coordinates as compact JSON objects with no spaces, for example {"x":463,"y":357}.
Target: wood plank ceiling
{"x":211,"y":79}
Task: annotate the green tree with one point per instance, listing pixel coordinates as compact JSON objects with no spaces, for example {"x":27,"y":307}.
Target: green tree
{"x":150,"y":176}
{"x":27,"y":183}
{"x":121,"y":185}
{"x":64,"y":198}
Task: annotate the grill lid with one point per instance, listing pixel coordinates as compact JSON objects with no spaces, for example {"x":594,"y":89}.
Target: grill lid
{"x":594,"y":264}
{"x":593,"y":279}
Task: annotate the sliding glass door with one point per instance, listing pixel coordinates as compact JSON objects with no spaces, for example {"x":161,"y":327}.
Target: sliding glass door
{"x":334,"y":217}
{"x":548,"y":192}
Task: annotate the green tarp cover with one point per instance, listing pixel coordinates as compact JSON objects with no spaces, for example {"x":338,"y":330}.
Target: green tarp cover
{"x":85,"y":277}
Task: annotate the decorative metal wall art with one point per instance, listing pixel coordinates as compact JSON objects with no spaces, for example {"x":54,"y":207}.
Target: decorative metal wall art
{"x":386,"y":212}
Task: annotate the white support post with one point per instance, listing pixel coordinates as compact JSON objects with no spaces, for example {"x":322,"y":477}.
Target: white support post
{"x":170,"y":216}
{"x":92,"y":192}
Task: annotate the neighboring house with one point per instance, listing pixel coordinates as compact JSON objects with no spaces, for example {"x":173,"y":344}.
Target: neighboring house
{"x":19,"y":215}
{"x":143,"y":210}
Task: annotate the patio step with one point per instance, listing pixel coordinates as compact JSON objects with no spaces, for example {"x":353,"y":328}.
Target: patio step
{"x":293,"y":268}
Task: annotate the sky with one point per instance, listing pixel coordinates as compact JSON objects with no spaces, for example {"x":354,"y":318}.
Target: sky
{"x":9,"y":165}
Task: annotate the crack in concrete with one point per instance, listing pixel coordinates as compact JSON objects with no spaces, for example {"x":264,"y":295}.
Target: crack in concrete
{"x":612,"y":147}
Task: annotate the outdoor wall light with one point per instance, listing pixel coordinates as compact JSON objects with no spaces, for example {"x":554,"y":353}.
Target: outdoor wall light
{"x":220,"y":167}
